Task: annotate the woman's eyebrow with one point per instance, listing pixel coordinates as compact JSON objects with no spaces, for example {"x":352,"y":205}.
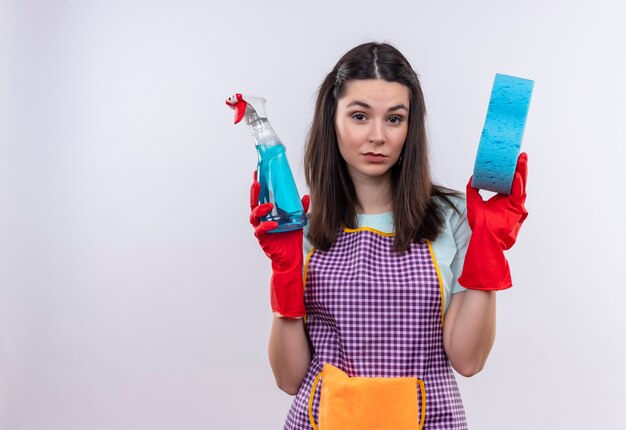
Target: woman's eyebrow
{"x":366,"y":106}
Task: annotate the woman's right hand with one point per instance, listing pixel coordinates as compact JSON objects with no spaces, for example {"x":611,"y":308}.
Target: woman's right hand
{"x":285,"y":251}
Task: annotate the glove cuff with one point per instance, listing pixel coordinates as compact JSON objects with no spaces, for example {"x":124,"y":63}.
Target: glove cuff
{"x":287,"y":293}
{"x":485,"y":267}
{"x":485,"y":283}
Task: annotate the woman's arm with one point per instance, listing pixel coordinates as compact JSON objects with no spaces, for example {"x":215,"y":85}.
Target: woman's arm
{"x":289,"y":353}
{"x":470,"y":322}
{"x":470,"y":330}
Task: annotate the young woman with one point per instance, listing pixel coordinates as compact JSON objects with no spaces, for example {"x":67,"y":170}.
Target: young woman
{"x":399,"y":274}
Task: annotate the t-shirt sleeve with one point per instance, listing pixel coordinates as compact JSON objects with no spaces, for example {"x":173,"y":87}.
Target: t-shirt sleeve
{"x":461,"y":233}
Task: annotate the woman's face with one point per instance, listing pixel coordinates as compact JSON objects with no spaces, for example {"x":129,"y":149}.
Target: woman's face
{"x":371,"y":124}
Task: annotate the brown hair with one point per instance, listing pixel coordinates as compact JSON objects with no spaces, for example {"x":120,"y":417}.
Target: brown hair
{"x":417,"y":216}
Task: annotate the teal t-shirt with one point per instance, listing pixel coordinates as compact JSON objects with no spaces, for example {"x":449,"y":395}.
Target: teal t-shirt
{"x":449,"y":247}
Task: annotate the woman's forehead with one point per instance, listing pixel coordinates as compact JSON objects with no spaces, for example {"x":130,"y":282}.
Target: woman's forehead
{"x":374,"y":93}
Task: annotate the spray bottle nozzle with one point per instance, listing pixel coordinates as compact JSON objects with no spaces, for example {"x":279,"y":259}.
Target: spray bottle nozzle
{"x":246,"y":106}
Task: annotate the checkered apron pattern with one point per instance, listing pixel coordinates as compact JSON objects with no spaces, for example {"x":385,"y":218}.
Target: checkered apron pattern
{"x":374,"y":313}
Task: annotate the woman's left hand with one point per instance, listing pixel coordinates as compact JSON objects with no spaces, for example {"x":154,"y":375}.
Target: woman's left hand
{"x":501,"y":215}
{"x":495,"y":224}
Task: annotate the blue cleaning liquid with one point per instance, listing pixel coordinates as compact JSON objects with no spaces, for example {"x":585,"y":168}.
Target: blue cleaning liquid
{"x":279,"y":188}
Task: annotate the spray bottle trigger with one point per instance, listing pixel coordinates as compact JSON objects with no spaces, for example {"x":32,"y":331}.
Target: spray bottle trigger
{"x":240,"y":111}
{"x":239,"y":105}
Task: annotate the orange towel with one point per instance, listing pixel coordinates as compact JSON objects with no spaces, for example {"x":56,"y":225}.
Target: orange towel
{"x":364,"y":403}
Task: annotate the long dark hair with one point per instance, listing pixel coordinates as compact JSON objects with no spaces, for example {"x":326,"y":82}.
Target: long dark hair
{"x":417,"y":216}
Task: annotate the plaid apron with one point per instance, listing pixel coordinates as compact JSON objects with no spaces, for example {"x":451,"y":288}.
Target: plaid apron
{"x":374,"y":313}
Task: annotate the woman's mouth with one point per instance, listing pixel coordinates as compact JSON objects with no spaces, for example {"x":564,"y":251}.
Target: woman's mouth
{"x":374,"y":158}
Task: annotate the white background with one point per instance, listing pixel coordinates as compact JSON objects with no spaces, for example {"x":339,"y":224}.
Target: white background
{"x":132,"y":292}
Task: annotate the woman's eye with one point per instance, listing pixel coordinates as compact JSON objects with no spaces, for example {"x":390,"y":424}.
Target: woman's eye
{"x":392,"y":119}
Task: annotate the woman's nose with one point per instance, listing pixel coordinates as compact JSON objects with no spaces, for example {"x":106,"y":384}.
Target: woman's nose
{"x":377,"y":134}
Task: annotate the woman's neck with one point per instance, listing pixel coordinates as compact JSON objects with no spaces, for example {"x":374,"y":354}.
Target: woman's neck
{"x":374,"y":195}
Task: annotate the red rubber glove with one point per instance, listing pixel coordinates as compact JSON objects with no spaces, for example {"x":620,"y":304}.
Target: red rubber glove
{"x":285,"y":251}
{"x":495,"y":224}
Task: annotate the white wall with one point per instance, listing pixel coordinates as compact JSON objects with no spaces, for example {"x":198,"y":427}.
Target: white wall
{"x":132,"y":292}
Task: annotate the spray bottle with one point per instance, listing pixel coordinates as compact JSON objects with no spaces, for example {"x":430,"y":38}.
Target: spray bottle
{"x":273,"y":173}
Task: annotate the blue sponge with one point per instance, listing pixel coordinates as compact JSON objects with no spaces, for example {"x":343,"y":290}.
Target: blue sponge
{"x":502,"y":134}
